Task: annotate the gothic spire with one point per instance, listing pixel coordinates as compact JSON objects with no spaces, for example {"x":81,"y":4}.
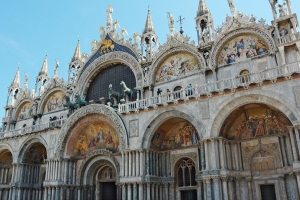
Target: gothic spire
{"x":149,"y":24}
{"x":77,"y":54}
{"x":16,"y":81}
{"x":202,"y":8}
{"x":44,"y":69}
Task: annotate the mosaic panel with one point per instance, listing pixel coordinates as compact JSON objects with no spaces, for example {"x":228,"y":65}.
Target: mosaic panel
{"x":98,"y":135}
{"x":54,"y":102}
{"x":25,"y":111}
{"x":176,"y":66}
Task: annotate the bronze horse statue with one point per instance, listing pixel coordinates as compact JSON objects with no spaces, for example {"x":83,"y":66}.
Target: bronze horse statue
{"x":127,"y":91}
{"x":80,"y":102}
{"x":72,"y":106}
{"x":114,"y":94}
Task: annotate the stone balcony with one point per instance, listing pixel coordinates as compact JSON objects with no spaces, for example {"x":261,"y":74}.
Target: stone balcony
{"x":287,"y":38}
{"x":244,"y":81}
{"x":32,"y":129}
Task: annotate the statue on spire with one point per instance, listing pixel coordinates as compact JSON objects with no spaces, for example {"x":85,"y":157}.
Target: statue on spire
{"x":26,"y":81}
{"x":232,"y":7}
{"x":56,"y":68}
{"x":109,"y":22}
{"x":171,"y":23}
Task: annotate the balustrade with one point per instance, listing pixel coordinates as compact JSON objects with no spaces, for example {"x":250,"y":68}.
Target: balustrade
{"x":209,"y":88}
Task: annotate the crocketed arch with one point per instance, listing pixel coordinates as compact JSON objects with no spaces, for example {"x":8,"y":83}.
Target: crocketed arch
{"x":161,"y":116}
{"x":105,"y":61}
{"x":20,"y":106}
{"x":93,"y":158}
{"x":4,"y":147}
{"x":98,"y":109}
{"x":46,"y":96}
{"x":264,"y":97}
{"x":172,"y":51}
{"x":235,"y":33}
{"x":28,"y":143}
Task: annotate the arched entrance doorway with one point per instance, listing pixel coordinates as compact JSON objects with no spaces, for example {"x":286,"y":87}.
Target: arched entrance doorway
{"x":5,"y":173}
{"x":260,"y":140}
{"x":32,"y":168}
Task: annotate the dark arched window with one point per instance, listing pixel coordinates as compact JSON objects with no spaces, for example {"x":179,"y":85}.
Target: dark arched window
{"x":111,"y":75}
{"x":186,"y":173}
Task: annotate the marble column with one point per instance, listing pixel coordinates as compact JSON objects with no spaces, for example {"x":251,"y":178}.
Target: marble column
{"x":156,"y":191}
{"x":147,"y":163}
{"x":126,"y":163}
{"x":294,"y":149}
{"x":142,"y":163}
{"x":65,"y":171}
{"x":59,"y":170}
{"x":130,"y":164}
{"x":141,"y":191}
{"x":74,"y":173}
{"x":137,"y":163}
{"x":237,"y":187}
{"x":249,"y":183}
{"x":224,"y":187}
{"x":124,"y":192}
{"x":283,"y":150}
{"x":122,"y":164}
{"x":213,"y":154}
{"x":135,"y":193}
{"x":171,"y":191}
{"x":282,"y":55}
{"x":166,"y":195}
{"x":148,"y":191}
{"x":208,"y":188}
{"x":298,"y":179}
{"x":230,"y":188}
{"x":216,"y":185}
{"x":297,"y":138}
{"x":133,"y":163}
{"x":129,"y":192}
{"x":199,"y":190}
{"x":222,"y":152}
{"x":206,"y":154}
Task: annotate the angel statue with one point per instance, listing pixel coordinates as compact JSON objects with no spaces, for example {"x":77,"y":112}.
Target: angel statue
{"x":123,"y":32}
{"x":56,"y":68}
{"x":109,"y":17}
{"x":171,"y":23}
{"x":136,"y":37}
{"x":282,"y":10}
{"x":273,"y":6}
{"x":26,"y":81}
{"x":102,"y":31}
{"x":94,"y":45}
{"x":232,"y":7}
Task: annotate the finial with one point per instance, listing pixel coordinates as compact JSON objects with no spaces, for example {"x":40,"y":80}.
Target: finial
{"x":181,"y":22}
{"x":18,"y":66}
{"x":46,"y":53}
{"x":148,"y":8}
{"x":78,"y":39}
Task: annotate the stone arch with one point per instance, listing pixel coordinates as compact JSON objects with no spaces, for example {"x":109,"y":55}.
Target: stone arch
{"x":20,"y":106}
{"x":104,"y":61}
{"x":46,"y":96}
{"x":161,"y":116}
{"x":6,"y":147}
{"x":235,"y":33}
{"x":97,"y":109}
{"x":92,"y":158}
{"x":28,"y":143}
{"x":175,"y":166}
{"x":253,"y":96}
{"x":172,"y":51}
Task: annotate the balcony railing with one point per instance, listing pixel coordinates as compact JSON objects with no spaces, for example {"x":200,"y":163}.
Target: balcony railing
{"x":207,"y":89}
{"x":32,"y":129}
{"x":288,"y":38}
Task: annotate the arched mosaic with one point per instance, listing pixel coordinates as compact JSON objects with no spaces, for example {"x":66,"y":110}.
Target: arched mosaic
{"x":241,"y":48}
{"x":36,"y":154}
{"x":175,"y":133}
{"x":54,"y":102}
{"x":25,"y":111}
{"x":254,"y":120}
{"x":97,"y":135}
{"x":176,"y":66}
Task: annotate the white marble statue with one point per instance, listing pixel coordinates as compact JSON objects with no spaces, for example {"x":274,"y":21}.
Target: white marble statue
{"x":56,"y":68}
{"x":109,"y":21}
{"x":232,"y":7}
{"x":26,"y":81}
{"x":282,"y":10}
{"x":123,"y":32}
{"x":171,"y":23}
{"x":136,"y":36}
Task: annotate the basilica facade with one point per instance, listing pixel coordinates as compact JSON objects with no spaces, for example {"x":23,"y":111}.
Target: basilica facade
{"x":213,"y":119}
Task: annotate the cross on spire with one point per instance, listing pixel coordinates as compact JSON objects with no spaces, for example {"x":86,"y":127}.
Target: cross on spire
{"x":180,"y":20}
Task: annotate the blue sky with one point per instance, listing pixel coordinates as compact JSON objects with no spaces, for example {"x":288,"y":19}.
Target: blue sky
{"x":29,"y":28}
